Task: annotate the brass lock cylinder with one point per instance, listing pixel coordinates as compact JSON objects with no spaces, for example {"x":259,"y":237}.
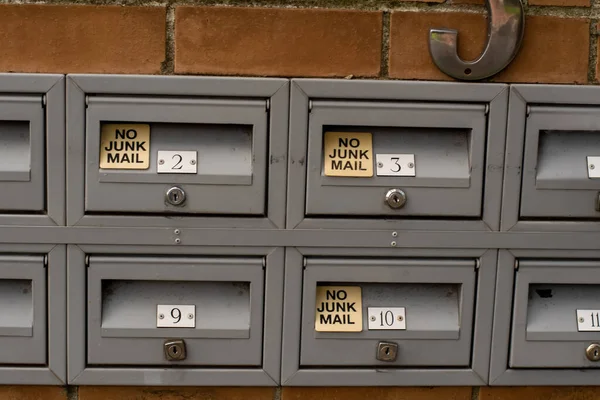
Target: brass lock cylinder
{"x":593,"y":352}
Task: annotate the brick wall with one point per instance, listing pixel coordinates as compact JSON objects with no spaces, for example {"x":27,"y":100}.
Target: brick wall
{"x":385,"y":39}
{"x":335,"y":38}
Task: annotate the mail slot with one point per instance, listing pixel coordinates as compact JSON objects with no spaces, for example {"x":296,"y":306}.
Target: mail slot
{"x":387,"y":312}
{"x":175,"y":311}
{"x":556,"y":315}
{"x":22,"y":154}
{"x":396,"y":159}
{"x":561,"y":163}
{"x":23,"y":331}
{"x":174,"y":155}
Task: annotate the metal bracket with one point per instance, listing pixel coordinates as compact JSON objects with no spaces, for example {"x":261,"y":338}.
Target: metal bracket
{"x":506,"y":25}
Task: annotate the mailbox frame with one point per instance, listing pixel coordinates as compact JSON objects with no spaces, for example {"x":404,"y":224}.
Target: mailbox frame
{"x":303,"y":91}
{"x":51,"y":90}
{"x":275,"y":94}
{"x":55,"y":304}
{"x":500,"y":373}
{"x":294,"y":375}
{"x":522,"y":97}
{"x":80,"y":373}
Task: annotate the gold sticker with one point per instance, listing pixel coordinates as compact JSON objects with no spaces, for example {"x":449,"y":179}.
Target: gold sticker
{"x":348,"y":154}
{"x":125,"y":146}
{"x":338,"y":309}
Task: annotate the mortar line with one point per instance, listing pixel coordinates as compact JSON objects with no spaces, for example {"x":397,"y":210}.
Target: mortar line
{"x":385,"y":44}
{"x":168,"y":66}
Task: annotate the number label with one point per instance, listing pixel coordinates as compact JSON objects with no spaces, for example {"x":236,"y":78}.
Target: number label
{"x":588,"y":320}
{"x":392,"y":318}
{"x":177,"y":162}
{"x":593,"y":167}
{"x":175,"y":316}
{"x":396,"y":165}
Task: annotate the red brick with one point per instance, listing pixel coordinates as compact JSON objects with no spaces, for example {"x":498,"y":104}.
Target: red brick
{"x":174,"y":393}
{"x":376,"y":393}
{"x":32,"y":393}
{"x":554,"y":50}
{"x":102,"y":39}
{"x":539,"y":393}
{"x":561,"y":3}
{"x":277,"y":42}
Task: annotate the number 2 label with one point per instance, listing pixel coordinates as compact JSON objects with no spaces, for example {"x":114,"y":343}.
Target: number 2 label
{"x":177,"y":162}
{"x":175,"y":316}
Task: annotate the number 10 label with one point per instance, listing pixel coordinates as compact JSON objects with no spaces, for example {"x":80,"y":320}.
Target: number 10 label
{"x":175,"y":316}
{"x":393,"y":318}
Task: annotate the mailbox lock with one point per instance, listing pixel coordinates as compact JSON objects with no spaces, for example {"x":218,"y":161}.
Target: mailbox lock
{"x":387,"y":351}
{"x":175,"y":196}
{"x":593,"y":352}
{"x":395,"y":198}
{"x":174,"y":350}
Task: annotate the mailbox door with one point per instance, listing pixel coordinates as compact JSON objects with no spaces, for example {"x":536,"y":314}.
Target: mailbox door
{"x":22,"y":155}
{"x":550,"y":299}
{"x":438,"y":301}
{"x":137,"y":149}
{"x":23,"y":303}
{"x":560,"y":179}
{"x":224,"y":294}
{"x":433,"y":153}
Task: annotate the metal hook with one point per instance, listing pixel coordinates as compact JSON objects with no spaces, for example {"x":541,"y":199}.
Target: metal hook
{"x":505,"y":33}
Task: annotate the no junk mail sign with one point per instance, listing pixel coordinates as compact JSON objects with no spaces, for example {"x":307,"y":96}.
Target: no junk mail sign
{"x":338,"y":309}
{"x":348,"y":154}
{"x":125,"y":146}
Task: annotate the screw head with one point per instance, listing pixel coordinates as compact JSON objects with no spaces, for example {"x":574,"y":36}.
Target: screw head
{"x":190,"y":316}
{"x":373,"y":318}
{"x":177,"y":240}
{"x":400,"y":318}
{"x":161,"y":316}
{"x":393,"y":244}
{"x":177,"y":231}
{"x":394,"y":234}
{"x":581,"y":320}
{"x":411,"y":165}
{"x":592,"y":166}
{"x":379,"y":165}
{"x":193,"y":162}
{"x":161,"y":162}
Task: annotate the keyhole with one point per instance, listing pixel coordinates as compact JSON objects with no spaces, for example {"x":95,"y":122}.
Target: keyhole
{"x":174,"y":350}
{"x":175,"y":197}
{"x":596,"y":353}
{"x":387,"y":351}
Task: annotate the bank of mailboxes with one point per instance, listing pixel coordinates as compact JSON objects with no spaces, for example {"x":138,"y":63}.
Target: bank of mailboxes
{"x":212,"y":153}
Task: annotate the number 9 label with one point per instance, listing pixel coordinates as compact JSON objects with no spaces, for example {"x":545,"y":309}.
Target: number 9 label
{"x":175,"y":316}
{"x":390,"y":318}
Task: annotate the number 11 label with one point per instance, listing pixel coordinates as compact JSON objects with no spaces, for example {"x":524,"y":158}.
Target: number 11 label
{"x":588,"y":320}
{"x":393,"y":318}
{"x":175,"y":316}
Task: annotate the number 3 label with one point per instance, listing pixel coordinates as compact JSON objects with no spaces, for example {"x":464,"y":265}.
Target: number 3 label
{"x":396,"y":165}
{"x":175,"y":316}
{"x":393,"y":318}
{"x":177,"y":162}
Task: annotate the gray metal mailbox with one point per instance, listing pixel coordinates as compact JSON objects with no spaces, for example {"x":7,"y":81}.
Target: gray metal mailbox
{"x":32,"y":137}
{"x":549,"y":332}
{"x":556,"y":315}
{"x":398,"y":155}
{"x":388,"y":317}
{"x":146,"y":149}
{"x":551,"y":179}
{"x":437,"y":298}
{"x":33,"y":319}
{"x":23,"y":302}
{"x":224,"y":297}
{"x":189,"y":315}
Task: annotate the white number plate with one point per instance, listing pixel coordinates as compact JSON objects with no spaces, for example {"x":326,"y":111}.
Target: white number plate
{"x":593,"y":165}
{"x":386,"y":318}
{"x":177,"y":162}
{"x":396,"y":165}
{"x":175,"y":316}
{"x":588,"y":320}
